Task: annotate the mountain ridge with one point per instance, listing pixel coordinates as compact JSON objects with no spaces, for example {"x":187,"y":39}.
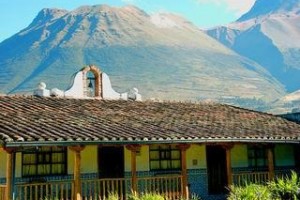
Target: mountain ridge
{"x":271,"y":38}
{"x":267,"y":7}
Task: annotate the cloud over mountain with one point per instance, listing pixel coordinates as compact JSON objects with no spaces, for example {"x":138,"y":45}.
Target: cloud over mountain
{"x":237,"y":6}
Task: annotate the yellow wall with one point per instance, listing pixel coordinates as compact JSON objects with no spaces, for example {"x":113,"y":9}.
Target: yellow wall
{"x":196,"y":157}
{"x":239,"y":156}
{"x":284,"y":155}
{"x":3,"y":163}
{"x":89,"y":160}
{"x":142,"y":159}
{"x":18,"y":164}
{"x":70,"y":157}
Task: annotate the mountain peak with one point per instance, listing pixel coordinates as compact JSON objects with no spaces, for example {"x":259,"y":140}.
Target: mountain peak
{"x":48,"y":14}
{"x":266,"y":7}
{"x":104,"y":8}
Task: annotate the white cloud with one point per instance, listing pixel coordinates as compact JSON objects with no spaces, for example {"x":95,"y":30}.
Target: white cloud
{"x":237,"y":6}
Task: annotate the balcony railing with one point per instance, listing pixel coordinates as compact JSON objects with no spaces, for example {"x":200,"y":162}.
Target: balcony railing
{"x":168,"y":186}
{"x":2,"y":191}
{"x":100,"y":189}
{"x":243,"y":178}
{"x":62,"y":190}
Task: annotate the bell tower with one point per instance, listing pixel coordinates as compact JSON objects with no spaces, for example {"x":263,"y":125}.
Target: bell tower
{"x":92,"y":79}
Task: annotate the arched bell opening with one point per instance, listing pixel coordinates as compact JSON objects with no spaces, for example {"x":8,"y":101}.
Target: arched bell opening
{"x":90,"y":84}
{"x":92,"y":79}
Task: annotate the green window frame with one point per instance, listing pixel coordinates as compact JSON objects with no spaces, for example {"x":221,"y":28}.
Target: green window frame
{"x":257,"y":157}
{"x":44,"y":161}
{"x":164,"y":157}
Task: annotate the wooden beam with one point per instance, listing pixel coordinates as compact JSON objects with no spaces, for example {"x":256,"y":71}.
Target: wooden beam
{"x":133,"y":171}
{"x":184,"y":189}
{"x":133,"y":149}
{"x":270,"y":162}
{"x":9,"y":172}
{"x":77,"y":165}
{"x":228,"y":147}
{"x":228,"y":166}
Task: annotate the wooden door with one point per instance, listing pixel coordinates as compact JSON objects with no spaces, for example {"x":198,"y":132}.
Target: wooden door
{"x":216,"y":169}
{"x":111,"y":162}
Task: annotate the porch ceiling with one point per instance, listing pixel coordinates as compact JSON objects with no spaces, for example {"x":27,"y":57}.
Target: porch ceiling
{"x":60,"y":121}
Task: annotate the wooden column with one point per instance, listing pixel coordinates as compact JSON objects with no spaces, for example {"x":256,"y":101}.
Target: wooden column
{"x":270,"y":162}
{"x":77,"y":166}
{"x":133,"y":149}
{"x":9,"y":172}
{"x":184,"y":189}
{"x":228,"y":164}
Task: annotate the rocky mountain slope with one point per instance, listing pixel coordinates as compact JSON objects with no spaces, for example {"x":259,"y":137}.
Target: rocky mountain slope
{"x":163,"y":55}
{"x":270,"y":35}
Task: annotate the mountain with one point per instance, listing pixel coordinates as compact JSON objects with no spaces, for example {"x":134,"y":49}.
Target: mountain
{"x":163,"y":55}
{"x":289,"y":103}
{"x":262,"y":8}
{"x":270,"y":35}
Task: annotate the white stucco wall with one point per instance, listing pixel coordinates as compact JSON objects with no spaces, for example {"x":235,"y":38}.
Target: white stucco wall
{"x":108,"y":91}
{"x":77,"y":89}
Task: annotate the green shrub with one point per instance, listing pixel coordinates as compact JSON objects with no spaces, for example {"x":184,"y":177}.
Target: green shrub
{"x":50,"y":198}
{"x":249,"y":192}
{"x":195,"y":197}
{"x":286,"y":188}
{"x":146,"y":196}
{"x":151,"y":196}
{"x":113,"y":196}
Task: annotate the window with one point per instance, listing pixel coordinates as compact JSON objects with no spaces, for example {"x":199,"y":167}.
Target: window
{"x":165,"y":157}
{"x":44,"y":161}
{"x":257,"y":157}
{"x":297,"y":156}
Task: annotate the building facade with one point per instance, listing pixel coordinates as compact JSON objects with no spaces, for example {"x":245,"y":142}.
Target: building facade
{"x":90,"y":148}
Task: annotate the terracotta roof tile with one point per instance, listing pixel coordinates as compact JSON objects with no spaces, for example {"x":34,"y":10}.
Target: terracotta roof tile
{"x":27,"y":120}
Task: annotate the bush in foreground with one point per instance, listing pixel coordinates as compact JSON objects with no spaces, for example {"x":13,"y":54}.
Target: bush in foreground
{"x":249,"y":192}
{"x":284,"y":188}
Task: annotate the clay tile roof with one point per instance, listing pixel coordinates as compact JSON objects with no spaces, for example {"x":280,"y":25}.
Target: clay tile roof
{"x":45,"y":121}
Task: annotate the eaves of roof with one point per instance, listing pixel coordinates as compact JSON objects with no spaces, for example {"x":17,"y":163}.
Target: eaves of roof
{"x":159,"y":141}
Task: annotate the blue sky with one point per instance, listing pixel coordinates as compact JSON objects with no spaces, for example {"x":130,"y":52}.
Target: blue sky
{"x":17,"y":14}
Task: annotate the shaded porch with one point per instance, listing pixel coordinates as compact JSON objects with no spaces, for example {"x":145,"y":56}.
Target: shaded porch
{"x":76,"y":187}
{"x":173,"y":185}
